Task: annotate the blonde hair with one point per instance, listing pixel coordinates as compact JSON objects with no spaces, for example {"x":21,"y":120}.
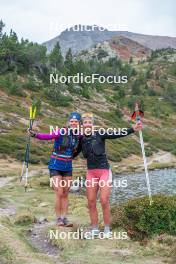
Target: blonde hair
{"x":87,"y":115}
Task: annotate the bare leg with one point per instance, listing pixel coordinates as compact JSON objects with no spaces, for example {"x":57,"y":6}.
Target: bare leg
{"x":92,"y":199}
{"x":104,"y":198}
{"x":64,"y":199}
{"x":59,"y":193}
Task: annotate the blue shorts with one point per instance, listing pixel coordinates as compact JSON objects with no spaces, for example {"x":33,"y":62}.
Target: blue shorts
{"x":60,"y":173}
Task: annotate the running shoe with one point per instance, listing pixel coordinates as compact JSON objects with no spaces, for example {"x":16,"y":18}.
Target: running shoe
{"x":60,"y":221}
{"x":67,"y":222}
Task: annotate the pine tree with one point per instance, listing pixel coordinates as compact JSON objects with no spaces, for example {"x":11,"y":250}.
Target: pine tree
{"x":56,"y":58}
{"x":69,"y":61}
{"x":2,"y":25}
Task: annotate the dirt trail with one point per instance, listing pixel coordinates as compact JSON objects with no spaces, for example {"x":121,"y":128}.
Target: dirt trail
{"x":22,"y":251}
{"x":38,"y":238}
{"x":36,"y":235}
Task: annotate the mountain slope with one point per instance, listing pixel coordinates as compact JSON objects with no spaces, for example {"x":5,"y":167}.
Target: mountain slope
{"x":81,"y":40}
{"x":150,"y":82}
{"x":120,"y":47}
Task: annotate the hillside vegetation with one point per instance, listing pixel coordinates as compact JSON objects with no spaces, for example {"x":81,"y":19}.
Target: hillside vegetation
{"x":24,"y":80}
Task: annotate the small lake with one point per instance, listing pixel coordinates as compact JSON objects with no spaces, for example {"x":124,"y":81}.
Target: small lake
{"x":128,"y":186}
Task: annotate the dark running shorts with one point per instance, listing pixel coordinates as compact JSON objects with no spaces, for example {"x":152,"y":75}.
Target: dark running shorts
{"x":60,"y":173}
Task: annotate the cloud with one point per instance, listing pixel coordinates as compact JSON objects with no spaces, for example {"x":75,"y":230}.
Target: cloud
{"x":43,"y":20}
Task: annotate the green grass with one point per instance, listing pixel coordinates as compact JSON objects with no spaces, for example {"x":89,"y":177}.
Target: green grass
{"x":29,"y":206}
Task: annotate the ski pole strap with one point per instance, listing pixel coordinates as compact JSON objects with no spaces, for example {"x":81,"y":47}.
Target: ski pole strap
{"x":137,"y":114}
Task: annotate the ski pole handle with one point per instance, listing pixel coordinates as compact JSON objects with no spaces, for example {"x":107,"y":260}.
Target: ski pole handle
{"x":31,"y":132}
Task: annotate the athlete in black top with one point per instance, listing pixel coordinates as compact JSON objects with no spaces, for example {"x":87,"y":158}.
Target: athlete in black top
{"x":93,"y":148}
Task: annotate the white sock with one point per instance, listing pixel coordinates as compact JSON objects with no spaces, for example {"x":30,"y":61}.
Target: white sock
{"x":94,"y":227}
{"x":106,"y":228}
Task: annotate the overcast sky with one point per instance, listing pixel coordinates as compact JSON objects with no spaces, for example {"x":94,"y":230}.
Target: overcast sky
{"x":41,"y":20}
